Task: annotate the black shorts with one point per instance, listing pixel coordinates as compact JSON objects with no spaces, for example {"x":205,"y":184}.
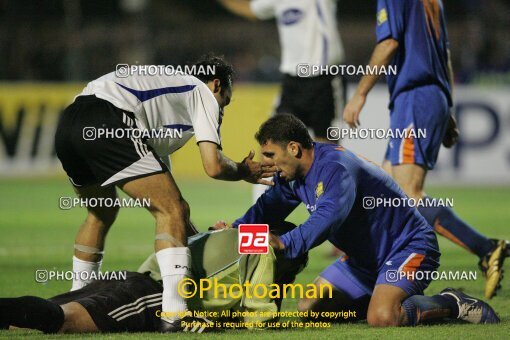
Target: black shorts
{"x":314,"y":100}
{"x":120,"y":305}
{"x":88,"y":159}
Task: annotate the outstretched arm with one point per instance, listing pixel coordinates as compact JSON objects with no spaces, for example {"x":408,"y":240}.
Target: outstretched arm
{"x":272,"y":207}
{"x":219,"y":166}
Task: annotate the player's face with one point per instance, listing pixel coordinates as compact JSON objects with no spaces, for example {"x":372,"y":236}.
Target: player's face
{"x":222,"y":95}
{"x":284,"y":159}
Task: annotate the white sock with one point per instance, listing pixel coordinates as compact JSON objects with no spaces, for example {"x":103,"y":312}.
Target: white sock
{"x":174,"y":264}
{"x":83,"y":266}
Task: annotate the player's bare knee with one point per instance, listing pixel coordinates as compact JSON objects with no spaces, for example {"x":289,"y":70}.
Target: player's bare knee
{"x":102,"y":218}
{"x":306,"y":304}
{"x":383,"y":317}
{"x":173,"y":213}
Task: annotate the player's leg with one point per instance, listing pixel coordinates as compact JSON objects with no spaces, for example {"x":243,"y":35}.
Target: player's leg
{"x":354,"y":309}
{"x":411,"y":177}
{"x":127,"y":303}
{"x":386,"y":166}
{"x":77,"y":319}
{"x":90,"y":239}
{"x":397,"y":300}
{"x":392,"y":306}
{"x":93,"y":164}
{"x":426,"y":109}
{"x":445,"y":222}
{"x":351,"y":289}
{"x":69,"y":143}
{"x":172,"y":217}
{"x":31,"y":312}
{"x":385,"y":306}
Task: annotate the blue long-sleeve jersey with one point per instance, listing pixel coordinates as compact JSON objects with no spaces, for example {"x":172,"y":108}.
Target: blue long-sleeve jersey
{"x":333,"y":191}
{"x":419,"y":26}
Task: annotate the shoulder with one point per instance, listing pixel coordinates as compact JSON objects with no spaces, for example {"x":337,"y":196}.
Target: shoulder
{"x":202,"y":95}
{"x":329,"y":157}
{"x":333,"y":166}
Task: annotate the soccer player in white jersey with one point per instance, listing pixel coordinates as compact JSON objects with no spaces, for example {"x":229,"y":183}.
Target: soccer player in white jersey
{"x":308,"y":36}
{"x":97,"y":160}
{"x":308,"y":33}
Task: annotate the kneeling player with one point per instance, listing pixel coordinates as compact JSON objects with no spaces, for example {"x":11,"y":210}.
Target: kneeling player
{"x":339,"y":191}
{"x":135,"y":304}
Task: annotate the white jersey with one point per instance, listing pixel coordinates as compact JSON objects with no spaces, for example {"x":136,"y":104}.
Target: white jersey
{"x":308,"y":31}
{"x":179,"y":102}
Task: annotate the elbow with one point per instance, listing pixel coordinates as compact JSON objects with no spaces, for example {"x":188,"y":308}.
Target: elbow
{"x":213,"y":170}
{"x":389,"y":44}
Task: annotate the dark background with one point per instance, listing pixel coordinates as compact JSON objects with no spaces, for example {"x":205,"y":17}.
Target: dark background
{"x":59,"y":40}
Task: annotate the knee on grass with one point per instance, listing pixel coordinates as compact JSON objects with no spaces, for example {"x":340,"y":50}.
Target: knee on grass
{"x":383,"y":317}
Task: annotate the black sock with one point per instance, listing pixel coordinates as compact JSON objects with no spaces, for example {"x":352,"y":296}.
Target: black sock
{"x":420,"y":309}
{"x":31,"y":312}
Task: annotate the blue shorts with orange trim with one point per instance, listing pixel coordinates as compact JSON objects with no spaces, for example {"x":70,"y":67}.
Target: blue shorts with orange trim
{"x":410,"y":269}
{"x":425,"y":111}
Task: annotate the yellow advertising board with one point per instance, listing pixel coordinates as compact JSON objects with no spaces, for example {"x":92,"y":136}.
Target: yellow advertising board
{"x":29,"y":113}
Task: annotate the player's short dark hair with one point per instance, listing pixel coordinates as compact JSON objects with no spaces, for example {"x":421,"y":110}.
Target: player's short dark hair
{"x":223,"y":70}
{"x":282,"y":129}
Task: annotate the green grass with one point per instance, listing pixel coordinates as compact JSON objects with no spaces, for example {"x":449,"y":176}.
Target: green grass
{"x":36,"y":234}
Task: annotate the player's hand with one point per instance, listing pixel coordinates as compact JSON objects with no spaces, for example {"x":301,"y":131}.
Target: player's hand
{"x":451,"y":136}
{"x":220,"y":225}
{"x":275,"y":242}
{"x":256,"y":172}
{"x":353,"y":109}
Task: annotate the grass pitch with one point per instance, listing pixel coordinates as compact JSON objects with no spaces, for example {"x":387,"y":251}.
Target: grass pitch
{"x":36,"y":234}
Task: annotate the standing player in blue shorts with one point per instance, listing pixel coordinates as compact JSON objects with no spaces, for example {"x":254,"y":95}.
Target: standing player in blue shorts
{"x":380,"y":243}
{"x":412,"y":35}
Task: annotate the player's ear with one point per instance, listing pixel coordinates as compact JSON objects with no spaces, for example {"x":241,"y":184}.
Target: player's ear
{"x":214,"y":85}
{"x":217,"y":85}
{"x":294,"y":149}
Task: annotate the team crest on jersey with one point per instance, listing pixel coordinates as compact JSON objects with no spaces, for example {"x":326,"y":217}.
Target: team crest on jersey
{"x":319,"y":190}
{"x":291,"y":16}
{"x":382,"y":16}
